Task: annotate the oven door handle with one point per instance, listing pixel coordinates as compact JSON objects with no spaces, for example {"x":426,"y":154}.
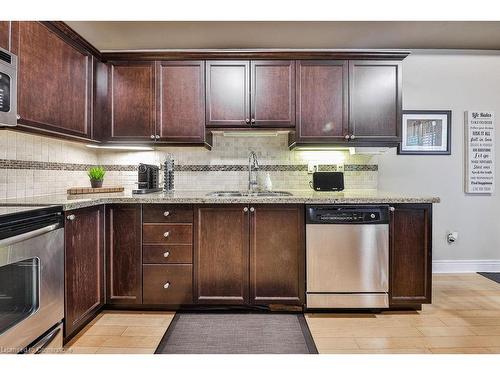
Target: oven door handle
{"x":26,"y":236}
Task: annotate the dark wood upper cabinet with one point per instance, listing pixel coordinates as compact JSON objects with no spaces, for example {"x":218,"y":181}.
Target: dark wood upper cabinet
{"x":133,"y":101}
{"x":277,"y":254}
{"x":181,"y":97}
{"x":272,"y":93}
{"x":54,"y":81}
{"x":227,"y":93}
{"x":322,"y":100}
{"x":84,"y":267}
{"x":5,"y":35}
{"x":221,"y":255}
{"x":101,"y":105}
{"x":375,"y":100}
{"x":410,"y":263}
{"x":123,"y":254}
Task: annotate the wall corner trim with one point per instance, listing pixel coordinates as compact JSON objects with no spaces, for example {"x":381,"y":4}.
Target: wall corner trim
{"x":466,"y":266}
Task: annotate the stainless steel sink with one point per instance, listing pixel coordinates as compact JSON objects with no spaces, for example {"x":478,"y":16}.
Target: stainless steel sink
{"x":225,"y":194}
{"x":249,"y":194}
{"x":273,"y":194}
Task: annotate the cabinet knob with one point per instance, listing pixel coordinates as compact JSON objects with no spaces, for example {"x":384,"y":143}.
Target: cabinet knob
{"x":166,"y":254}
{"x":353,"y":136}
{"x":167,"y":285}
{"x":71,"y":217}
{"x":152,"y":136}
{"x":247,"y":121}
{"x":166,"y":213}
{"x":392,"y":209}
{"x":166,"y":234}
{"x":347,"y":136}
{"x":245,"y":209}
{"x":252,"y":209}
{"x":253,"y":121}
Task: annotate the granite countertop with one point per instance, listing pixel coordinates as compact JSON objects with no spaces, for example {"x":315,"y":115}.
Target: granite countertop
{"x":71,"y":202}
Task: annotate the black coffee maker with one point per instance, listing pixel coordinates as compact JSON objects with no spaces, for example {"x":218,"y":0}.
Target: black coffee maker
{"x":148,"y":179}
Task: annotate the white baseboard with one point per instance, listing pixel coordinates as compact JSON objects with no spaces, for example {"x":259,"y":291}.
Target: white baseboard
{"x":465,"y":266}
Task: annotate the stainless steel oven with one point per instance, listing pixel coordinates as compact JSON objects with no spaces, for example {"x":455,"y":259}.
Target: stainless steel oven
{"x":31,"y":279}
{"x":8,"y":88}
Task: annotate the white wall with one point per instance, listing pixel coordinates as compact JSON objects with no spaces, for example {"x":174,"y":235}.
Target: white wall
{"x":456,"y":81}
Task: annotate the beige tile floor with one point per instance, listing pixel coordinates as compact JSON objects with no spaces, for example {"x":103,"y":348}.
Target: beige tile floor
{"x":121,"y":332}
{"x":464,"y":318}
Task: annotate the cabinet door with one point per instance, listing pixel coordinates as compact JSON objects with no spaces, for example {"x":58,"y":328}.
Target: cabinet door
{"x":322,"y":97}
{"x":123,"y":254}
{"x":221,"y":254}
{"x":375,"y":100}
{"x":273,"y":93}
{"x":5,"y":35}
{"x":227,"y":93}
{"x":84,"y":275}
{"x":133,"y":102}
{"x":181,"y":109}
{"x":54,"y":81}
{"x":277,"y":254}
{"x":101,"y":101}
{"x":410,"y":270}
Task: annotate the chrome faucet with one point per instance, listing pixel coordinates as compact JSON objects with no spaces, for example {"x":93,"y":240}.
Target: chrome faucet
{"x":253,"y":166}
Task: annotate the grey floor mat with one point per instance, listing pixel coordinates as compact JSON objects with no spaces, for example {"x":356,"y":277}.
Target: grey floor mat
{"x":495,"y":276}
{"x":237,"y":333}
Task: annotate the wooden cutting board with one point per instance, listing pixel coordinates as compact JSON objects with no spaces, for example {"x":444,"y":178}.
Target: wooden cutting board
{"x":89,"y":190}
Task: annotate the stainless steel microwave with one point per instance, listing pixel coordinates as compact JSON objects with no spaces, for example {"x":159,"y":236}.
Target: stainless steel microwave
{"x":8,"y":88}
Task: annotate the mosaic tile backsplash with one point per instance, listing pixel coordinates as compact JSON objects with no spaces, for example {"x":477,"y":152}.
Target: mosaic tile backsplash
{"x":31,"y":165}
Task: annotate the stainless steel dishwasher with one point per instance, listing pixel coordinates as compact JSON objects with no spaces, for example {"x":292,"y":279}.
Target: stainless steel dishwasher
{"x":347,"y":251}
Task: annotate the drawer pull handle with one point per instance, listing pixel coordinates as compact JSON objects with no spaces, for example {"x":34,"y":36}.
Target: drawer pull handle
{"x":166,"y":213}
{"x":166,"y":254}
{"x":166,"y":234}
{"x":167,"y":285}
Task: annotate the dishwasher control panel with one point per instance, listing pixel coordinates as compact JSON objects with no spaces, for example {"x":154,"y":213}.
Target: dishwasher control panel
{"x":327,"y":214}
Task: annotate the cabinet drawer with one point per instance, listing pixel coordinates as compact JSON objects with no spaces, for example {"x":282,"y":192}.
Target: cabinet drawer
{"x":167,"y":233}
{"x":167,"y":213}
{"x":167,"y":254}
{"x":167,"y":284}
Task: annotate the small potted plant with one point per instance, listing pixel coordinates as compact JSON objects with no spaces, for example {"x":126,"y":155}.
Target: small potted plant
{"x":96,"y":175}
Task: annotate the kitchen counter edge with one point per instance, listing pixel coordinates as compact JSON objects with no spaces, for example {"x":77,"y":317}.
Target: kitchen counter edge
{"x":165,"y":199}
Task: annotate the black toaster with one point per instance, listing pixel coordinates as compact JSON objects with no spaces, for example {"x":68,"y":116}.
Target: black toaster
{"x":328,"y":181}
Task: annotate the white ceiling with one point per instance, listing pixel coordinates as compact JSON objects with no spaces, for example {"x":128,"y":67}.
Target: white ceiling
{"x":121,"y":35}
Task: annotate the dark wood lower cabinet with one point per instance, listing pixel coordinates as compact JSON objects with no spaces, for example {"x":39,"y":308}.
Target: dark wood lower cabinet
{"x":84,"y":266}
{"x":123,"y":254}
{"x":249,"y":254}
{"x":229,"y":254}
{"x":410,"y":257}
{"x":277,"y":254}
{"x":221,"y":254}
{"x":5,"y":35}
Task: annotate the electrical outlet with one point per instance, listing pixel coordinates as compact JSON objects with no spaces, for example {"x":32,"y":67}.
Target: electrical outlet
{"x":340,"y":167}
{"x":312,"y":167}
